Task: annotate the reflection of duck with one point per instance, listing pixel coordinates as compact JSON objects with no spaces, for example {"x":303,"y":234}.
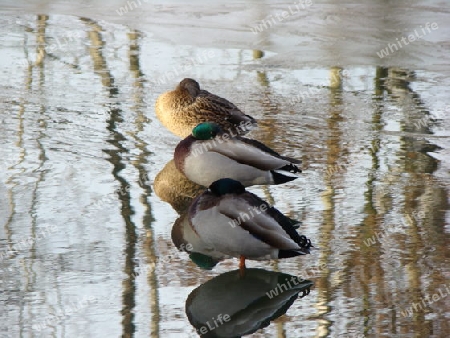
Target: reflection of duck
{"x":231,"y":305}
{"x":185,"y":238}
{"x":174,"y":188}
{"x":240,"y":224}
{"x":210,"y":154}
{"x":182,"y":109}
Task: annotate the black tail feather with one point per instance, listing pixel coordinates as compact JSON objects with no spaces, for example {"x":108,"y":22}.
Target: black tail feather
{"x":290,"y":253}
{"x":280,"y":178}
{"x":305,"y":245}
{"x":292,"y":168}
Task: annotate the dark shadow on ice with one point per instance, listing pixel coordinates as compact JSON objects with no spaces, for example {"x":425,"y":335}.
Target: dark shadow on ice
{"x":231,"y":305}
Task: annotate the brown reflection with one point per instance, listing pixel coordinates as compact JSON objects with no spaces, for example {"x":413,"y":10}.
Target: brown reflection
{"x":417,"y":250}
{"x":41,"y":24}
{"x":369,"y":271}
{"x":40,"y":38}
{"x":424,"y":203}
{"x":116,"y":159}
{"x":267,"y":128}
{"x":28,"y":268}
{"x":173,"y":187}
{"x":334,"y":157}
{"x":140,"y":121}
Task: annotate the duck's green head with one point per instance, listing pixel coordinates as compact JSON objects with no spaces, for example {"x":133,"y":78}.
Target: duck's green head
{"x":205,"y":131}
{"x":204,"y":262}
{"x":226,"y":186}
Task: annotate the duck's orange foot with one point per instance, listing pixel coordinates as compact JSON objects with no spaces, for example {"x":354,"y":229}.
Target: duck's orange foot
{"x":242,"y":266}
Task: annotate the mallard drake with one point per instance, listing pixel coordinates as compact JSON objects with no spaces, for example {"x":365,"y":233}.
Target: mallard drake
{"x":180,"y":110}
{"x":238,"y":223}
{"x":185,"y":239}
{"x":210,"y":154}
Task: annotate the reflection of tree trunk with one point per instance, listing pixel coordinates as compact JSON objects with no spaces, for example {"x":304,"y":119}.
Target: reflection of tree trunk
{"x":267,"y":129}
{"x":28,"y":269}
{"x":267,"y":126}
{"x":101,"y":69}
{"x":418,"y":164}
{"x":41,"y":22}
{"x":141,"y":120}
{"x":281,"y":332}
{"x":334,"y":154}
{"x":40,"y":48}
{"x":380,"y":76}
{"x":266,"y":132}
{"x":398,"y":86}
{"x":371,"y":272}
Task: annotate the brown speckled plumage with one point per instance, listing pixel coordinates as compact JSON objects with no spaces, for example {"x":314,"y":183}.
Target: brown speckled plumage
{"x":181,"y":109}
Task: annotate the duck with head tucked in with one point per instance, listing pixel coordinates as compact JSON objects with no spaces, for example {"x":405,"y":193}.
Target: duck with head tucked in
{"x":210,"y":154}
{"x":187,"y":105}
{"x":185,"y":239}
{"x":238,"y":223}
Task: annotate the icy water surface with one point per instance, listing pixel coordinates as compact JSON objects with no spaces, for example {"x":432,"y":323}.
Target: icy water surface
{"x":88,"y":195}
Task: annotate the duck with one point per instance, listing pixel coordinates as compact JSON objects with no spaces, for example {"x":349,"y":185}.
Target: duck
{"x":238,"y":223}
{"x":210,"y":154}
{"x":185,"y":239}
{"x":181,"y":109}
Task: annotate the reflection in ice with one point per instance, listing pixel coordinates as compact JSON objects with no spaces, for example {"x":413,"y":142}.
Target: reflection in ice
{"x":232,"y":305}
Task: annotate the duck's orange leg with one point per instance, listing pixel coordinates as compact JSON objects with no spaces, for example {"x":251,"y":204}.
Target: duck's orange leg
{"x":242,"y":266}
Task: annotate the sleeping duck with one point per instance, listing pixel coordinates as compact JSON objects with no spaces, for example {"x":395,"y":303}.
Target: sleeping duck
{"x":187,"y":105}
{"x":186,"y":239}
{"x":210,"y":154}
{"x":238,"y":223}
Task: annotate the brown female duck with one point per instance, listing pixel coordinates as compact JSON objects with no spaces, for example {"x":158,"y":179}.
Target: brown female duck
{"x":181,"y":109}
